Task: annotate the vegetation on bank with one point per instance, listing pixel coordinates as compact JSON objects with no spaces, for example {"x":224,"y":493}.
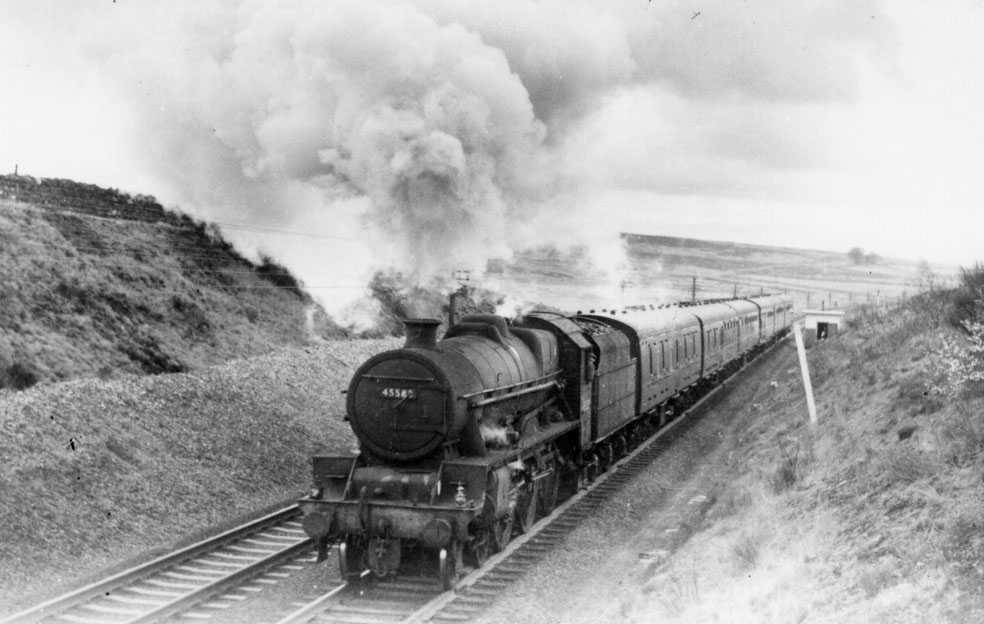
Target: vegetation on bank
{"x":101,"y":283}
{"x":398,"y":299}
{"x":874,"y":515}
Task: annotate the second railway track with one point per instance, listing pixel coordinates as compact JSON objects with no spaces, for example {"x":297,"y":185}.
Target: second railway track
{"x":211,"y":574}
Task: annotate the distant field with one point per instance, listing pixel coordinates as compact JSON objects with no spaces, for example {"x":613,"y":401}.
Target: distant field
{"x":662,"y":269}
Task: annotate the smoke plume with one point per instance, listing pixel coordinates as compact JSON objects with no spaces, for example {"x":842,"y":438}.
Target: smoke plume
{"x":345,"y":138}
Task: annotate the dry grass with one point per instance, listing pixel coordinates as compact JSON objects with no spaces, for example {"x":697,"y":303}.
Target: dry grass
{"x":962,"y":543}
{"x":876,"y":577}
{"x":903,"y":464}
{"x":786,"y":471}
{"x":746,"y":550}
{"x":84,"y":295}
{"x":896,"y":470}
{"x":960,"y":436}
{"x":678,"y":592}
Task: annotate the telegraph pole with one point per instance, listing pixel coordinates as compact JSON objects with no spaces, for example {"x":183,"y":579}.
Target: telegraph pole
{"x":805,"y":373}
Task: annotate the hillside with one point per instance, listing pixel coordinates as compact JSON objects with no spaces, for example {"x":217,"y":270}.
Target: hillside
{"x":98,"y":282}
{"x":661,"y":269}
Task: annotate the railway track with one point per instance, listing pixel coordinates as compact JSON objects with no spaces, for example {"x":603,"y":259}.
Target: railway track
{"x":419,"y":600}
{"x":378,"y":601}
{"x":190,"y":583}
{"x":206,"y":578}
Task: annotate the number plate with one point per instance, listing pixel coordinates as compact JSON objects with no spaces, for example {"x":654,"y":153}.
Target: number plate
{"x":399,"y":393}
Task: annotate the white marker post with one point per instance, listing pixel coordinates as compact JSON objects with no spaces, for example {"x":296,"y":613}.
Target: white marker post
{"x":805,"y":369}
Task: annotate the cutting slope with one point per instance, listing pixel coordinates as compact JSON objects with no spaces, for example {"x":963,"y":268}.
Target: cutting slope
{"x":99,"y":282}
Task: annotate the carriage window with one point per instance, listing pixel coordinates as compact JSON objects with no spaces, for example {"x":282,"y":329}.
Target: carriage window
{"x":676,"y":351}
{"x":662,"y":355}
{"x":693,"y":344}
{"x":651,"y":368}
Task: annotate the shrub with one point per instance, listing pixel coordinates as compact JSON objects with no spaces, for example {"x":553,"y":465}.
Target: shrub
{"x":960,"y":362}
{"x":904,"y":464}
{"x":961,"y":438}
{"x":398,"y":297}
{"x":279,"y":276}
{"x":18,"y":376}
{"x":966,"y":301}
{"x":786,"y":471}
{"x":963,"y":542}
{"x":876,"y":577}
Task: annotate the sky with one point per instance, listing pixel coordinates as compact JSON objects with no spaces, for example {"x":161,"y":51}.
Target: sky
{"x":435,"y":133}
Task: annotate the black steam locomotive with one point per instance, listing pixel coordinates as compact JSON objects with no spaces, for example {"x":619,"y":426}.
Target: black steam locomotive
{"x":468,"y":439}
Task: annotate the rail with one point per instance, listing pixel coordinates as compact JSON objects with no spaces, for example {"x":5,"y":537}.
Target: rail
{"x":269,"y":540}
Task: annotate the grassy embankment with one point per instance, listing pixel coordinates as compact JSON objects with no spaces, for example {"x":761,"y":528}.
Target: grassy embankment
{"x":875,"y":515}
{"x":98,"y":283}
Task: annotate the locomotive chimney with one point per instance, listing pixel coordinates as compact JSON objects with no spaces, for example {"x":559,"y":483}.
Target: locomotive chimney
{"x":421,"y":333}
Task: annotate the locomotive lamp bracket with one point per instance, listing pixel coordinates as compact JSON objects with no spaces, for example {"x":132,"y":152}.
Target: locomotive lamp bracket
{"x":460,"y":498}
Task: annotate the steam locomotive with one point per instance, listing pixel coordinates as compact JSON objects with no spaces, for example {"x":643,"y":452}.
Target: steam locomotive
{"x":465,"y":440}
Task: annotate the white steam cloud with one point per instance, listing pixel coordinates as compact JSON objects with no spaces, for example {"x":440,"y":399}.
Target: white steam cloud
{"x":413,"y":142}
{"x":346,"y":137}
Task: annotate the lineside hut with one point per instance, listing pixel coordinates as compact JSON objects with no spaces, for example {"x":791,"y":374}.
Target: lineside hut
{"x":822,"y":324}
